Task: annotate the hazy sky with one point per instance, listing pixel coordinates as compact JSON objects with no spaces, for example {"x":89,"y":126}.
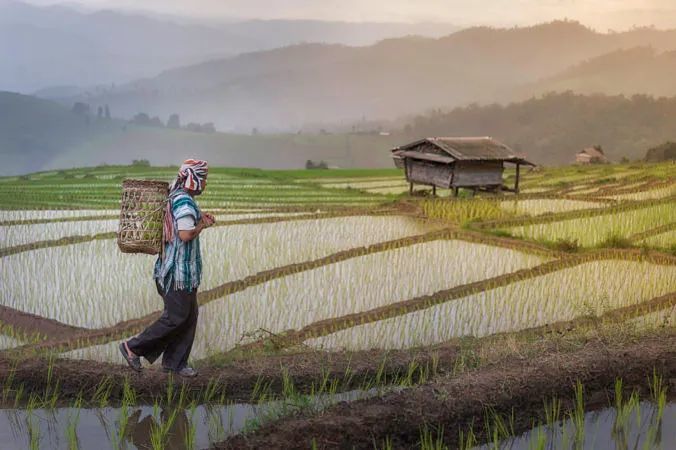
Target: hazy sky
{"x":598,"y":13}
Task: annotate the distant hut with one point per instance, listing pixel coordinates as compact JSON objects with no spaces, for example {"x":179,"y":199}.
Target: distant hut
{"x":453,"y":163}
{"x":591,"y":155}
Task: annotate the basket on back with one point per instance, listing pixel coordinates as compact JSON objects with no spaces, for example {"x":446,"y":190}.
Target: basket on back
{"x":142,"y":216}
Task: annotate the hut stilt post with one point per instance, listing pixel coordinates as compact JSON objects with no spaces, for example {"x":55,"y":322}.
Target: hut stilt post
{"x":455,"y":191}
{"x":410,"y":188}
{"x":516,"y":182}
{"x":434,"y":191}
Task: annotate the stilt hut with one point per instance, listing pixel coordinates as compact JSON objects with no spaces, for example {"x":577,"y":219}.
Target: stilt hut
{"x":476,"y":163}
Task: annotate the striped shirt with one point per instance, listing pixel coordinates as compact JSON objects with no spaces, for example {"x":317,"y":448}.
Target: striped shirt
{"x":180,"y":268}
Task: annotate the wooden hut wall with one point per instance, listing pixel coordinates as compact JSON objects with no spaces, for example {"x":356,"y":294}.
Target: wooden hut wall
{"x":432,"y":174}
{"x":478,"y":173}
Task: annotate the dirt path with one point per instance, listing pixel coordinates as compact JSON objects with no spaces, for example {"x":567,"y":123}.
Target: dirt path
{"x":454,"y":403}
{"x":237,"y":380}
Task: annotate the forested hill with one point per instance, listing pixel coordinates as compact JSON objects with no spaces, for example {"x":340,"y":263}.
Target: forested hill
{"x":627,"y":71}
{"x":37,"y":134}
{"x":552,"y":128}
{"x":289,"y":87}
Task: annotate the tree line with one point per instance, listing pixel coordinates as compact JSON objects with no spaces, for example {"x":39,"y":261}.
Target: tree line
{"x":550,"y":129}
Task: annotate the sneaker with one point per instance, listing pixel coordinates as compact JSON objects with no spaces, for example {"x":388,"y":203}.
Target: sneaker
{"x":187,"y":372}
{"x":133,"y":361}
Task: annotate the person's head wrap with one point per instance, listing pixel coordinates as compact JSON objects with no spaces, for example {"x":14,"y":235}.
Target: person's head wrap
{"x":190,"y":176}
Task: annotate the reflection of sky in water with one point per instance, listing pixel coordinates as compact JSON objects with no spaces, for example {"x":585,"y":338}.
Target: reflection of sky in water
{"x":98,"y":428}
{"x":600,"y":435}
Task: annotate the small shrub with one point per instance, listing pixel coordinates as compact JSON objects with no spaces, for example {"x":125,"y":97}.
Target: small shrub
{"x":615,"y":241}
{"x":566,"y":245}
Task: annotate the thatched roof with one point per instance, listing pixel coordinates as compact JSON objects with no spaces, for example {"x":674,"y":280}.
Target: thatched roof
{"x":463,"y":149}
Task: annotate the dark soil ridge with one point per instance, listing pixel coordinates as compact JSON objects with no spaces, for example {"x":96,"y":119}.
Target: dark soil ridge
{"x":237,"y":379}
{"x":34,"y":325}
{"x":569,"y":215}
{"x":516,"y":384}
{"x":7,"y":223}
{"x":69,"y":240}
{"x":559,"y":196}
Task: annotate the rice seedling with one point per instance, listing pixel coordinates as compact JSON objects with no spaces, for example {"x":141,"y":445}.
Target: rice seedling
{"x":432,"y":439}
{"x":539,"y":439}
{"x":577,"y":416}
{"x":467,"y":440}
{"x":595,"y":287}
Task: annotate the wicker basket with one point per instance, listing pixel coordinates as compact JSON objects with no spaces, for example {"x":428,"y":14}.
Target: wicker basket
{"x":142,"y":216}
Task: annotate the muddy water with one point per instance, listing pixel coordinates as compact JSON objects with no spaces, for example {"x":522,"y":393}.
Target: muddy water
{"x":641,"y":430}
{"x":101,"y":428}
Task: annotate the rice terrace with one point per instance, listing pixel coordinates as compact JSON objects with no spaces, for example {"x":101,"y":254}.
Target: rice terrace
{"x":339,"y":311}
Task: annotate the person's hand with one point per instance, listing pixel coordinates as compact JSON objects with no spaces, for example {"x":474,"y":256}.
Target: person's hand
{"x":208,"y":219}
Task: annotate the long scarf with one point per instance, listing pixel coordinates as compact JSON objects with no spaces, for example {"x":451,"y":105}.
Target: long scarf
{"x":190,"y":176}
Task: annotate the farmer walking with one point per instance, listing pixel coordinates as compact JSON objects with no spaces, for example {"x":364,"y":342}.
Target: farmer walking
{"x":177,"y":274}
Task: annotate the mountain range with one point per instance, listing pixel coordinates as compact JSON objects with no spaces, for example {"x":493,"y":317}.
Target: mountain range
{"x":58,"y":50}
{"x":288,"y":88}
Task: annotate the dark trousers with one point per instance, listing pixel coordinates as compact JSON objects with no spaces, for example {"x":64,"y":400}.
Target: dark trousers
{"x":172,"y":334}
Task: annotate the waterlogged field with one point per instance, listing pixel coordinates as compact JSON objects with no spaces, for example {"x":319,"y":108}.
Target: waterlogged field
{"x":661,"y":192}
{"x":590,"y":231}
{"x":323,"y":261}
{"x":46,"y":214}
{"x":588,"y":289}
{"x":665,"y":240}
{"x":544,"y":206}
{"x":297,"y":300}
{"x":129,"y":291}
{"x":24,"y":234}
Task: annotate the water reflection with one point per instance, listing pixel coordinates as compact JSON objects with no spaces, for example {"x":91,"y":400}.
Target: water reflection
{"x":140,"y":427}
{"x":641,"y":427}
